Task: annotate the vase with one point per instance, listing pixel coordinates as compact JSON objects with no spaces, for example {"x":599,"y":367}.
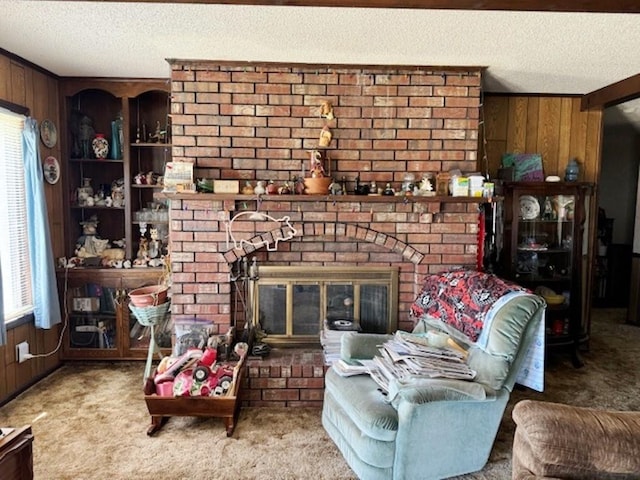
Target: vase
{"x":100,"y":146}
{"x":572,"y":171}
{"x":115,"y":150}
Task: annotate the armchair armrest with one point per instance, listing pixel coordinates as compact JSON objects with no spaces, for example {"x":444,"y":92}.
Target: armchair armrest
{"x":361,"y":346}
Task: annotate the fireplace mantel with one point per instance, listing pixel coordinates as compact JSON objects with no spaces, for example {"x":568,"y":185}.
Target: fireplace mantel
{"x":436,"y":200}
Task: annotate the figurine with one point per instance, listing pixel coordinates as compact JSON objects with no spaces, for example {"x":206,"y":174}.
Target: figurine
{"x":86,"y":134}
{"x":272,"y":188}
{"x":325,"y":137}
{"x":361,"y":188}
{"x":548,"y":212}
{"x":298,"y":186}
{"x":335,"y":188}
{"x":90,"y":227}
{"x":260,"y":188}
{"x":326,"y":110}
{"x":248,"y":188}
{"x":140,"y":179}
{"x":285,"y":189}
{"x":117,"y":192}
{"x":317,"y":169}
{"x":154,"y":244}
{"x":159,"y":134}
{"x":143,"y":249}
{"x":88,"y":244}
{"x":426,"y":184}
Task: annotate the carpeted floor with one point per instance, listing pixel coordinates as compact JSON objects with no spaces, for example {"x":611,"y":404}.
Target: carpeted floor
{"x":90,"y":422}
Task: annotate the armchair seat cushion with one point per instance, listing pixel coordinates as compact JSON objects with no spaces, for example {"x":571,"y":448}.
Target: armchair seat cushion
{"x":361,"y":400}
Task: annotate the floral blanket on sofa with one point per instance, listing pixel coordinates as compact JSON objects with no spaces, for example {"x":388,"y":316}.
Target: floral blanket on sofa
{"x":462,"y":299}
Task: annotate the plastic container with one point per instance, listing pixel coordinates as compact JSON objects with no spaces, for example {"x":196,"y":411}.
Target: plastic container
{"x":476,"y":183}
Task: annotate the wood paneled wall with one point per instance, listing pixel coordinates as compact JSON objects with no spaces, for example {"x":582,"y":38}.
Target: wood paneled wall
{"x":553,"y":126}
{"x":31,"y":87}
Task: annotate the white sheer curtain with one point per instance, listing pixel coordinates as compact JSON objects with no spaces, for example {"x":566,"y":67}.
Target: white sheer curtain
{"x":45,"y":290}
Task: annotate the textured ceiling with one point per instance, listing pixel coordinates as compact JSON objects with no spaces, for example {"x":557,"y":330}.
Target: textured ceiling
{"x":524,"y":52}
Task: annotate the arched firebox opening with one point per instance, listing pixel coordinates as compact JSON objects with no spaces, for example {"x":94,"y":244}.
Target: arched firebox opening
{"x":292,"y":302}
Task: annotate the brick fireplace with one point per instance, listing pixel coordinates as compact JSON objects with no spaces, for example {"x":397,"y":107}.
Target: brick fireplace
{"x":256,"y":122}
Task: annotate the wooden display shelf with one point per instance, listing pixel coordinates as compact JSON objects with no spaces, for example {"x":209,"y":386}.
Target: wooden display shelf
{"x":226,"y":407}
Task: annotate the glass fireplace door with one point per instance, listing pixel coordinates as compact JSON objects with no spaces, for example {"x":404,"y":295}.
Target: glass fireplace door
{"x":293,"y":305}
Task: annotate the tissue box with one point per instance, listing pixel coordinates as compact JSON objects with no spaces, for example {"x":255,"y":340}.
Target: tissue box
{"x":460,"y":186}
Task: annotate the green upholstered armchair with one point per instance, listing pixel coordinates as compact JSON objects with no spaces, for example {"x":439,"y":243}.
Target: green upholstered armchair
{"x":431,"y":429}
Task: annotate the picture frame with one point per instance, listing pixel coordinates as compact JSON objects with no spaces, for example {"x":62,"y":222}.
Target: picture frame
{"x":51,"y":170}
{"x":527,"y":167}
{"x":48,"y":133}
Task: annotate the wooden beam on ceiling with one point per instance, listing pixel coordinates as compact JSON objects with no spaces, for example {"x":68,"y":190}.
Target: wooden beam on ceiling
{"x":594,"y":6}
{"x":613,"y":94}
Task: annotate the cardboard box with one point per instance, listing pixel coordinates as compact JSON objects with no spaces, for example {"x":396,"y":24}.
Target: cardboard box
{"x":86,"y":304}
{"x":226,"y":186}
{"x":460,"y":187}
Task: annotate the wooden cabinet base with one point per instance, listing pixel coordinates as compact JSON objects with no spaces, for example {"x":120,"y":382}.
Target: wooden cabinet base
{"x":16,"y":455}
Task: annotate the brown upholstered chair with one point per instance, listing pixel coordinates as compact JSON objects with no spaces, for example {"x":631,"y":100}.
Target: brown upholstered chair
{"x":554,"y":441}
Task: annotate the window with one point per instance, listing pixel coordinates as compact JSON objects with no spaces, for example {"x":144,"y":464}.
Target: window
{"x":14,"y":254}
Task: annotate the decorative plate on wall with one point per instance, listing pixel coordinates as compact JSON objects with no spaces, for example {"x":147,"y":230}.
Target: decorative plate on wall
{"x":529,"y":207}
{"x":51,"y":170}
{"x":48,"y":133}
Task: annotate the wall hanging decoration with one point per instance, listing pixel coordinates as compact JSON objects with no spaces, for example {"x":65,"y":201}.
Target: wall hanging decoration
{"x":51,"y":170}
{"x":284,"y":232}
{"x":48,"y":133}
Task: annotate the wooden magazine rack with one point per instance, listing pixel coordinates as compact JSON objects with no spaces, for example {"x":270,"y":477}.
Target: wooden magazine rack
{"x":225,"y":406}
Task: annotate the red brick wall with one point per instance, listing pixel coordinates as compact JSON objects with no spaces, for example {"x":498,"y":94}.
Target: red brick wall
{"x":256,"y":122}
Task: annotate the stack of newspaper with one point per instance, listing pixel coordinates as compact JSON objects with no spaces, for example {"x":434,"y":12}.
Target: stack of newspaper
{"x":331,"y":338}
{"x":408,"y":355}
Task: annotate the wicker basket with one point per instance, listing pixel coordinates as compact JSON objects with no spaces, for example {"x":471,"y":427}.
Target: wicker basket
{"x":148,"y":316}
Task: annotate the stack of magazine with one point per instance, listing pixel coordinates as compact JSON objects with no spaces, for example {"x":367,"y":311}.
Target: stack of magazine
{"x":408,"y":355}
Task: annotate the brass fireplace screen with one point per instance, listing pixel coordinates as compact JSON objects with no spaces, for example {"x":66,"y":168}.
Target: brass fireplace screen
{"x":294,"y":303}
